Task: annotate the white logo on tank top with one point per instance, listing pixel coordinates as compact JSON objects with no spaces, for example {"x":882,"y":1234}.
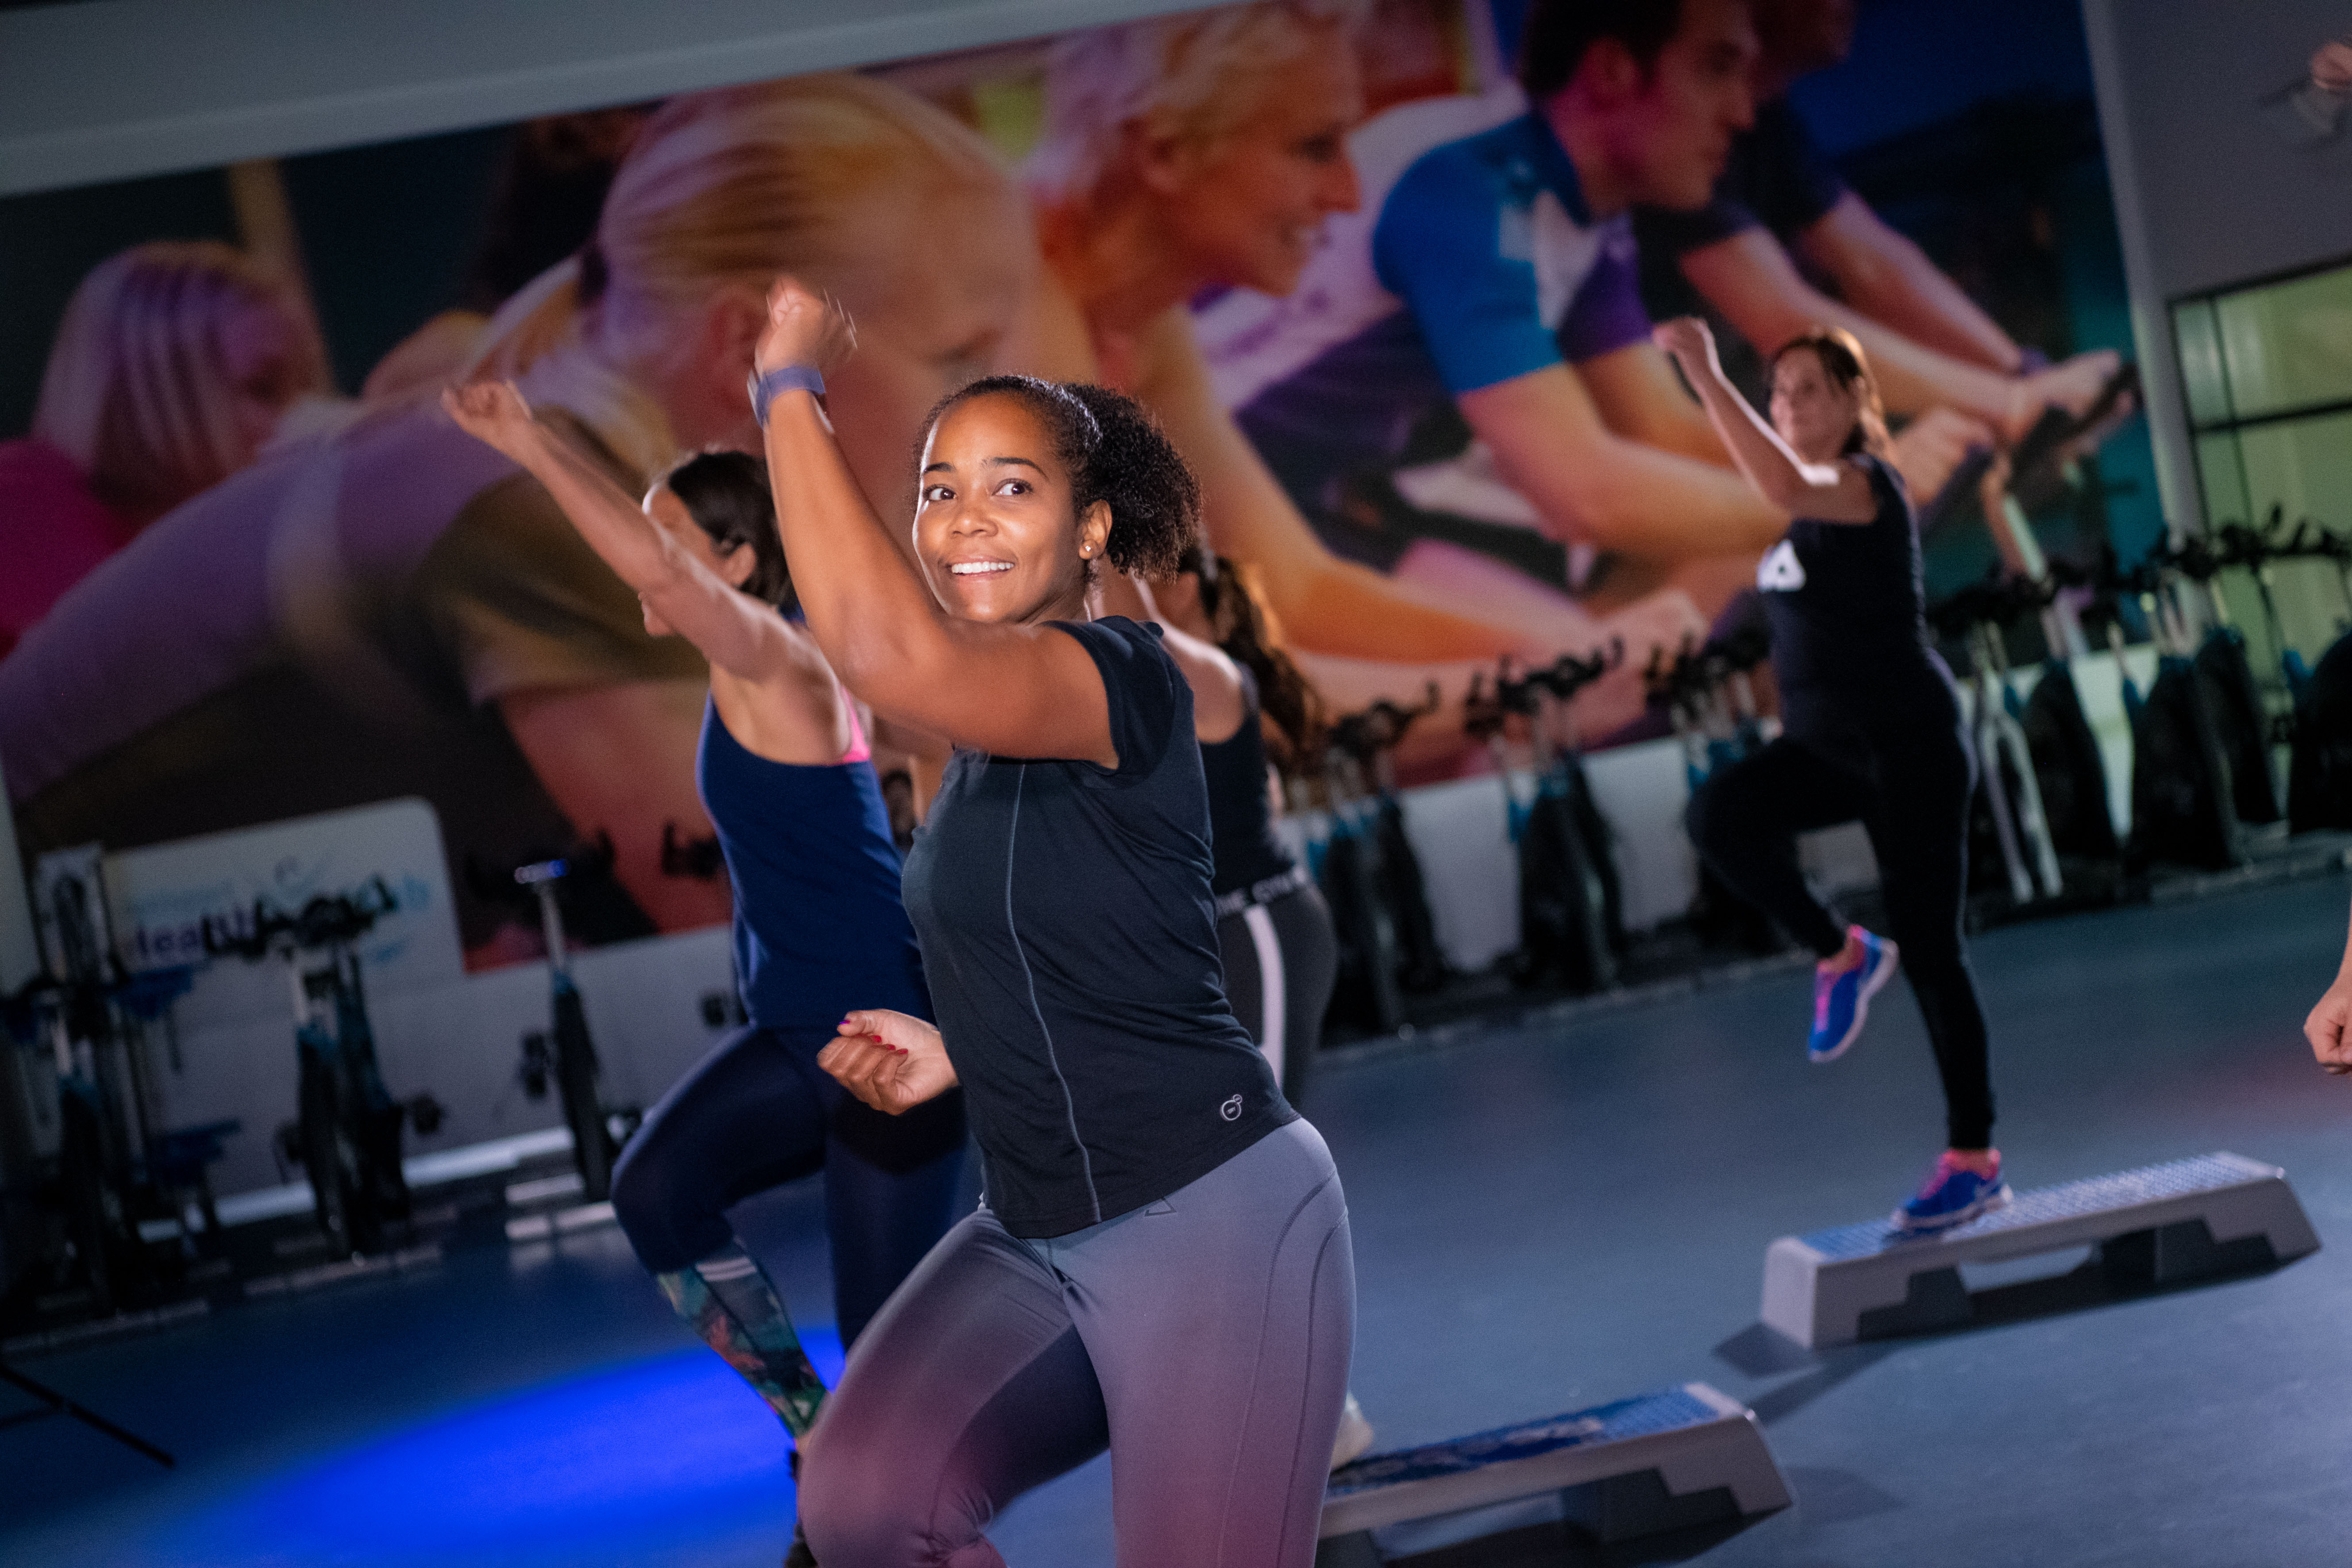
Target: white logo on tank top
{"x":1231,"y":1109}
{"x":1780,"y":571}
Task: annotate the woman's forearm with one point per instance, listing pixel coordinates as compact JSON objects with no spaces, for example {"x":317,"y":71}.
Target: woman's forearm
{"x":608,"y":519}
{"x":873,"y":616}
{"x":1767,"y":463}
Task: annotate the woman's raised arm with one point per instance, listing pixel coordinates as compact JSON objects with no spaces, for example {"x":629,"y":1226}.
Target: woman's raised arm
{"x":1012,"y":688}
{"x":1824,"y":492}
{"x":740,"y":634}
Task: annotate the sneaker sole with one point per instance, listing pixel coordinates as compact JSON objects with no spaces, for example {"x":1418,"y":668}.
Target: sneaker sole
{"x":1355,"y":1435}
{"x":1890,"y":959}
{"x":1994,"y":1200}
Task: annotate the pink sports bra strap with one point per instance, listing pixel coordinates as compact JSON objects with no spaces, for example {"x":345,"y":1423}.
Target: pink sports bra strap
{"x":859,"y":752}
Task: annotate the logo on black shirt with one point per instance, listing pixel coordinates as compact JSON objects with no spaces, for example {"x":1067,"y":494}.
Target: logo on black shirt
{"x":1231,"y":1109}
{"x":1780,"y":571}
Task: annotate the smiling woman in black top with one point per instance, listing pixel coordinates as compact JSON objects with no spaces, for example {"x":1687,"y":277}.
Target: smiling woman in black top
{"x":1162,"y":1264}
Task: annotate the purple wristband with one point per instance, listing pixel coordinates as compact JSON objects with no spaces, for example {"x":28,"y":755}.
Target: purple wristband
{"x":763,"y":388}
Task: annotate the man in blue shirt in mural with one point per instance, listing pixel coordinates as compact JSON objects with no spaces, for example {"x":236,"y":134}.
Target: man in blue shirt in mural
{"x":1781,"y":217}
{"x":1492,"y":264}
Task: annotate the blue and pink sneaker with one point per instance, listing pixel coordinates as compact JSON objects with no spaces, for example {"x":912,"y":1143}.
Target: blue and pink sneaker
{"x":1841,"y":1000}
{"x":1953,"y":1195}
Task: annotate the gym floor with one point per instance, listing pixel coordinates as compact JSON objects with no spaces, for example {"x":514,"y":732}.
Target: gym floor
{"x":1546,"y":1216}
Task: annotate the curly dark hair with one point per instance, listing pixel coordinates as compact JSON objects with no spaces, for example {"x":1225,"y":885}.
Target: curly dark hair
{"x":727,"y":493}
{"x":1115,"y":452}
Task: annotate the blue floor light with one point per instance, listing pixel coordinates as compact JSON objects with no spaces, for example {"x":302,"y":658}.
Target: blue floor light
{"x":637,"y":1463}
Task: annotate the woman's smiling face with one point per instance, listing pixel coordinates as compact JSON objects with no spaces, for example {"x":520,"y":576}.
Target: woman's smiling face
{"x":1249,"y":207}
{"x":994,"y":528}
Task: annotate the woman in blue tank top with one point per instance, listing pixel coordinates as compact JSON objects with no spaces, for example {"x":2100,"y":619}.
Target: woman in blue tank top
{"x":1161,"y":1265}
{"x":784,"y":773}
{"x":1871,"y":732}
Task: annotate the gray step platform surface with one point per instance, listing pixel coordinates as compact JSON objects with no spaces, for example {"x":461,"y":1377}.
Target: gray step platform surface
{"x":2210,"y":1214}
{"x":1682,"y":1456}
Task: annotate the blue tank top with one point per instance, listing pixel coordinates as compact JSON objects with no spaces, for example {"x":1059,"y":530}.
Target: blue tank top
{"x":819,"y":929}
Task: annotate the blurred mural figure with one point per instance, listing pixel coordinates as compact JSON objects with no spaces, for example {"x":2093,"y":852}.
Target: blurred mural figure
{"x":1209,"y":152}
{"x":1487,"y":290}
{"x":400,"y":611}
{"x":171,"y":369}
{"x":1781,"y":218}
{"x":544,"y":201}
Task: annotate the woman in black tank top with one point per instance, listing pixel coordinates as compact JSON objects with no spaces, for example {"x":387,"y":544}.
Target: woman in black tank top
{"x":1161,"y":1265}
{"x":1274,"y":931}
{"x":1275,"y":936}
{"x":1872,"y":732}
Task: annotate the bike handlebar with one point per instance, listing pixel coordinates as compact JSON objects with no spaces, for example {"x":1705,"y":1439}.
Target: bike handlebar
{"x":1380,"y":727}
{"x":325,"y":920}
{"x":1698,"y":670}
{"x":519,"y":884}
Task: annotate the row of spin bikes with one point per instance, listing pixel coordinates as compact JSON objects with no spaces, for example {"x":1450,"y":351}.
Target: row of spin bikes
{"x":112,"y":1186}
{"x":2205,"y":790}
{"x":2211,"y":722}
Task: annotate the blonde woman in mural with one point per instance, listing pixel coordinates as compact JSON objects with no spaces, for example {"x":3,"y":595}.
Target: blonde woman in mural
{"x":400,"y":611}
{"x":1204,"y":151}
{"x":171,"y":369}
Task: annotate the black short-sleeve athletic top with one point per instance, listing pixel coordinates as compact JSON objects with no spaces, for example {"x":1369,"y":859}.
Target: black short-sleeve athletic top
{"x":1064,"y":913}
{"x":1848,"y":612}
{"x":1246,"y":850}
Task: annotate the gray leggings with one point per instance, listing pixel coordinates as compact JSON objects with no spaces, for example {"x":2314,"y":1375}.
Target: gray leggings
{"x":1203,"y":1339}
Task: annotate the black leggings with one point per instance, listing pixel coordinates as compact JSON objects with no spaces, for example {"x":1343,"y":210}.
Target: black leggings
{"x":758,"y":1113}
{"x":1281,"y":958}
{"x":1744,"y":821}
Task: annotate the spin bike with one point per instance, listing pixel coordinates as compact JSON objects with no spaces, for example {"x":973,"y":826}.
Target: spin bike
{"x":1368,"y":873}
{"x":564,"y":1054}
{"x":1709,"y":695}
{"x":2319,"y":780}
{"x":2009,"y":787}
{"x":1369,"y":740}
{"x":2200,"y":766}
{"x":70,"y":1009}
{"x":1571,"y":900}
{"x":346,"y":1135}
{"x":2225,"y":673}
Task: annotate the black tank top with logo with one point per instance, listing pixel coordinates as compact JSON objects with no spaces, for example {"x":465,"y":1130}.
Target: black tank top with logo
{"x":1248,"y":853}
{"x":1847,"y":605}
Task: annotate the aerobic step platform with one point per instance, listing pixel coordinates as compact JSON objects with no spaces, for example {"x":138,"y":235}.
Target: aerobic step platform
{"x":1680,"y":1457}
{"x":2211,"y":1215}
